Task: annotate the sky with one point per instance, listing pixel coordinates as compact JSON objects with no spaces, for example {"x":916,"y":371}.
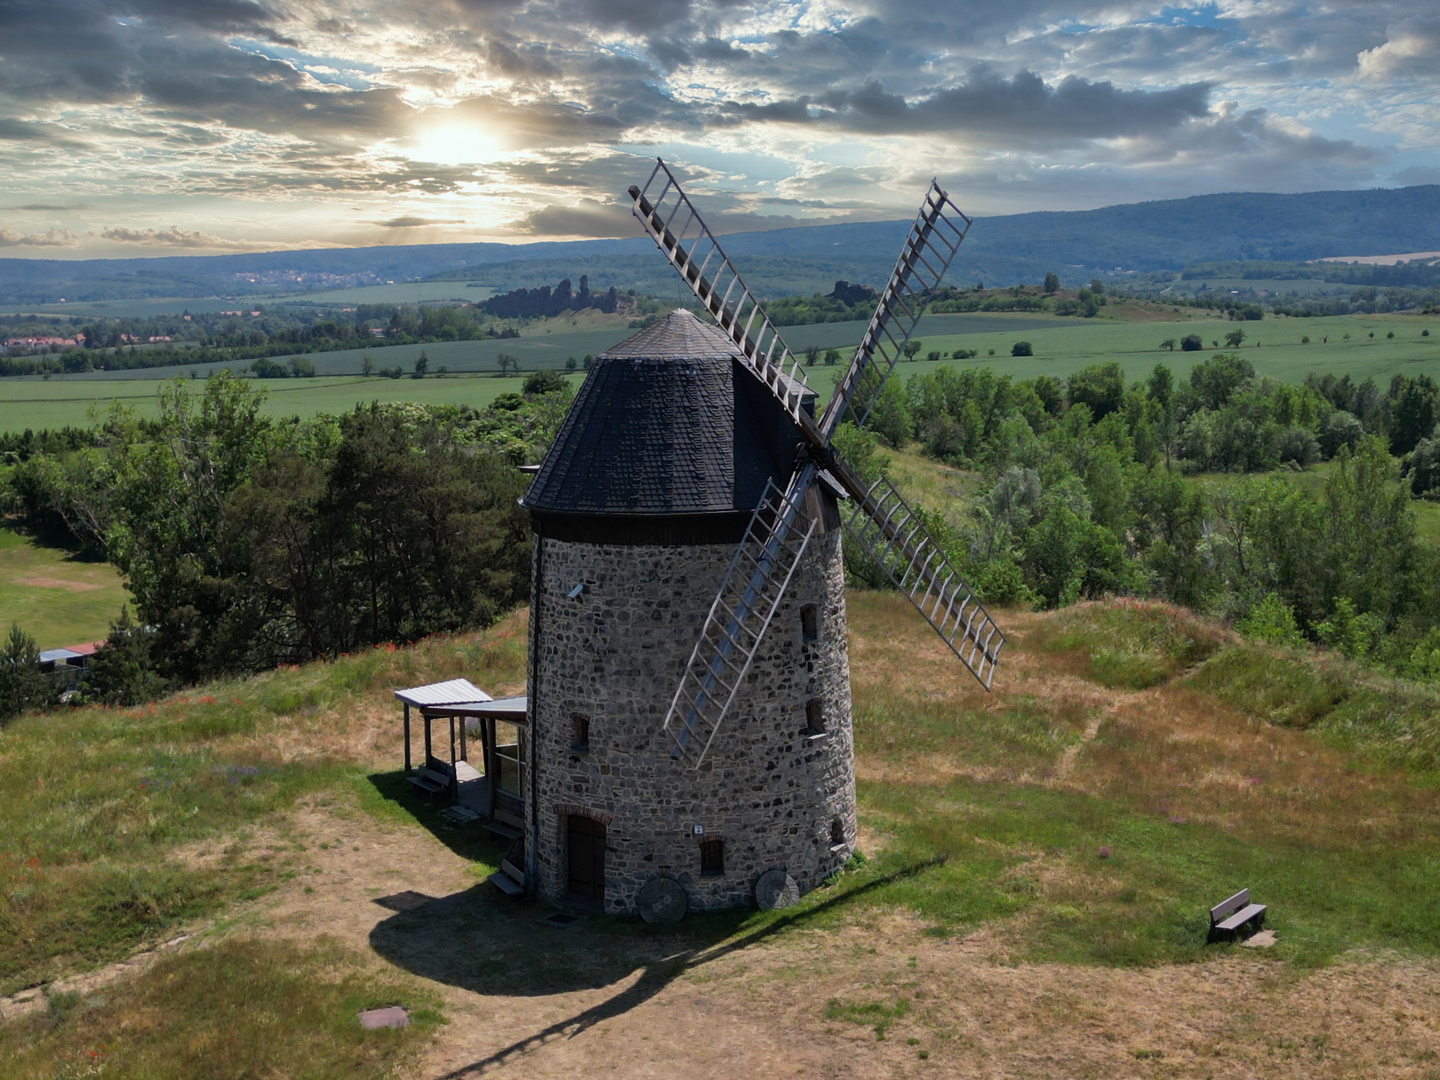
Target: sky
{"x":153,"y":127}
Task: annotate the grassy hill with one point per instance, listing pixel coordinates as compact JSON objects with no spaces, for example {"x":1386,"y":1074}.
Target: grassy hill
{"x":1039,"y":861}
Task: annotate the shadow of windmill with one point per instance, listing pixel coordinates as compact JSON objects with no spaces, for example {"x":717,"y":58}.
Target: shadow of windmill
{"x":469,"y":941}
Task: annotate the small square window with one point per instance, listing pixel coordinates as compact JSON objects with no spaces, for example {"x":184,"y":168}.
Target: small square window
{"x":809,"y":622}
{"x":837,"y":833}
{"x":712,"y":858}
{"x":579,"y":732}
{"x":815,"y":717}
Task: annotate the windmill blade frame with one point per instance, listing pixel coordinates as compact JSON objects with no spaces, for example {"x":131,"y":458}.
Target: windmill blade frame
{"x":900,"y":307}
{"x":897,"y":539}
{"x":676,"y":223}
{"x":753,"y":587}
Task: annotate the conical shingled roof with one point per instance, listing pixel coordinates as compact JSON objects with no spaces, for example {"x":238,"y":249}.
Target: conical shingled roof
{"x":667,"y":423}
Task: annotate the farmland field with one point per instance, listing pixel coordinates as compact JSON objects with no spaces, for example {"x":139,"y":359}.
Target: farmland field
{"x":60,"y":402}
{"x":1061,"y":347}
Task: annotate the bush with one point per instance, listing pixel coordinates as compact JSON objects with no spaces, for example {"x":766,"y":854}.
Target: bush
{"x":544,"y":382}
{"x":1022,"y":348}
{"x":1271,"y":620}
{"x":1191,"y":343}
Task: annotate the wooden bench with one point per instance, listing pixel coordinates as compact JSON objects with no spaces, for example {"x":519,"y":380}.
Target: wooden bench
{"x":431,"y":781}
{"x":1228,"y":917}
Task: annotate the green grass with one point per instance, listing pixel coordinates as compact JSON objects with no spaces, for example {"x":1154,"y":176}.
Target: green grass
{"x":1130,"y":644}
{"x":239,"y":1009}
{"x":1334,"y":827}
{"x":96,"y":803}
{"x":54,"y":596}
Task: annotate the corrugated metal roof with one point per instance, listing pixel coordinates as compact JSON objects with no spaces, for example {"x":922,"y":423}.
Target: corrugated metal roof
{"x":48,"y":655}
{"x":669,"y":422}
{"x":454,"y":692}
{"x":512,"y":709}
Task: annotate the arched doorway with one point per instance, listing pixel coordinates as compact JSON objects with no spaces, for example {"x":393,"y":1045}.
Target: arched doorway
{"x":586,"y":856}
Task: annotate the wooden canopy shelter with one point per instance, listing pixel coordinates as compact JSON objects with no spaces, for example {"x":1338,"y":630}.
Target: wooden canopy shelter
{"x":501,"y":726}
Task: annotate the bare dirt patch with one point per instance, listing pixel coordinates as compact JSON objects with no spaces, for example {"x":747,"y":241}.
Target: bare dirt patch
{"x":56,"y":583}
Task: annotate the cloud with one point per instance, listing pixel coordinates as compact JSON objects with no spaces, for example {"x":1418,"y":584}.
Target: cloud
{"x":411,"y":222}
{"x":1410,"y":52}
{"x":49,"y":238}
{"x":1020,"y":109}
{"x":173,"y":237}
{"x":587,"y":217}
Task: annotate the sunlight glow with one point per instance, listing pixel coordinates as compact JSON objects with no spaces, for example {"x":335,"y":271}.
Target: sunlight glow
{"x":455,"y":144}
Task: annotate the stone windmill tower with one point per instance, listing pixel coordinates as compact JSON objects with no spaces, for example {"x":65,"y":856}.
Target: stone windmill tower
{"x":691,"y":461}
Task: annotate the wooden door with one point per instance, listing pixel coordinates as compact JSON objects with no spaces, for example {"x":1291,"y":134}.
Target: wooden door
{"x":586,"y":856}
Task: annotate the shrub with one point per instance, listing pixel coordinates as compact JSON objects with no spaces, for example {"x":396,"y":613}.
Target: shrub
{"x":1271,"y":620}
{"x":544,"y":382}
{"x":1022,"y":348}
{"x":1191,"y":343}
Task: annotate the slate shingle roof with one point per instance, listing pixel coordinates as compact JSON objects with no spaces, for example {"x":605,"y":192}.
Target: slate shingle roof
{"x":668,"y":422}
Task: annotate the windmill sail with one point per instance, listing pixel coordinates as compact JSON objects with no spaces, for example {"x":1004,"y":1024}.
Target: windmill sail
{"x":929,"y":248}
{"x":779,"y":530}
{"x":673,"y":223}
{"x":896,"y":538}
{"x":754,"y":585}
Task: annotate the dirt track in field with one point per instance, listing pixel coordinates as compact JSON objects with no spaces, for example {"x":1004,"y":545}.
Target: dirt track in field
{"x":604,"y":999}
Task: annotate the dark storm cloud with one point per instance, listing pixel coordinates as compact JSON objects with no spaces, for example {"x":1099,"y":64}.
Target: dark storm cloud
{"x":1021,"y":109}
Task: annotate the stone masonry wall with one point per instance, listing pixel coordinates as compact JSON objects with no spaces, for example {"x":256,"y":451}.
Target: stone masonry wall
{"x":778,"y":797}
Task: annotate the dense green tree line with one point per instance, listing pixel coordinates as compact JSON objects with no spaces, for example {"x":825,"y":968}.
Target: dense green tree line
{"x":1087,"y":490}
{"x":247,"y":542}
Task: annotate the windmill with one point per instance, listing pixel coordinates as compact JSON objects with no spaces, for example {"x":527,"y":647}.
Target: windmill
{"x":879,"y":522}
{"x":675,"y":469}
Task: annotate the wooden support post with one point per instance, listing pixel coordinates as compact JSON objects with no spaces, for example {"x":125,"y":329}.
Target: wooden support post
{"x":428,"y":753}
{"x":407,"y":738}
{"x":464,"y":748}
{"x":454,"y":779}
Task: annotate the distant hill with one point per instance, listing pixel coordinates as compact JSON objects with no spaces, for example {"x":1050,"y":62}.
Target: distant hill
{"x":1163,"y":235}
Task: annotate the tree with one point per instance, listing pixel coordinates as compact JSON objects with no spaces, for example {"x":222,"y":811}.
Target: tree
{"x":122,"y":671}
{"x":1101,"y":387}
{"x":812,"y":353}
{"x":890,"y":417}
{"x":422,"y":364}
{"x":506,"y":362}
{"x":1022,"y":348}
{"x":22,"y":684}
{"x":1234,"y":338}
{"x":832,"y":357}
{"x":167,"y":481}
{"x":1413,"y":411}
{"x":1191,"y":343}
{"x":1097,"y":286}
{"x":570,"y":364}
{"x":1168,"y":344}
{"x":912,"y":347}
{"x":367,"y":365}
{"x":1052,"y":282}
{"x":1218,"y":378}
{"x":301,"y":368}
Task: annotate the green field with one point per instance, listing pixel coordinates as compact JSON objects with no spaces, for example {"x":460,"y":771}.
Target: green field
{"x":405,"y":292}
{"x":1061,"y":346}
{"x":56,"y":598}
{"x":38,"y":404}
